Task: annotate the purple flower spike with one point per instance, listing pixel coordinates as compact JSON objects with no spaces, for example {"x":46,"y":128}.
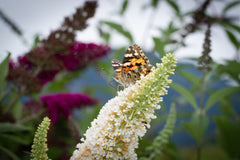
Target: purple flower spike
{"x":64,"y":103}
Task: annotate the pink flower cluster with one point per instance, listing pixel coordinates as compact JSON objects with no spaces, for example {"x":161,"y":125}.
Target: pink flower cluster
{"x":79,"y":56}
{"x":63,"y":103}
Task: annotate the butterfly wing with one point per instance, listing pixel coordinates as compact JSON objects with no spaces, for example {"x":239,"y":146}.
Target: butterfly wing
{"x":117,"y":67}
{"x":136,"y":62}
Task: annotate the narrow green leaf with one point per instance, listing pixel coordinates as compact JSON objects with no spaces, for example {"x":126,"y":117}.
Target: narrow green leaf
{"x":186,"y":94}
{"x":104,"y":35}
{"x":231,"y":26}
{"x":159,"y":46}
{"x":219,"y":94}
{"x":14,"y":139}
{"x":9,"y":127}
{"x":124,"y":7}
{"x":233,"y":39}
{"x":174,"y":6}
{"x":230,"y":6}
{"x":3,"y":72}
{"x":9,"y":153}
{"x":36,"y":40}
{"x":231,"y":68}
{"x":154,"y":3}
{"x":191,"y":77}
{"x":119,"y":29}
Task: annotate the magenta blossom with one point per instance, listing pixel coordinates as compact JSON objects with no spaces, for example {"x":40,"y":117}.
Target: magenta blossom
{"x":63,"y":103}
{"x":24,"y":62}
{"x":81,"y":54}
{"x":47,"y":76}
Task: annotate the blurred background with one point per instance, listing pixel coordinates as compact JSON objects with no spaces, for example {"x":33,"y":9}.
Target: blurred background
{"x":56,"y":61}
{"x":41,"y":17}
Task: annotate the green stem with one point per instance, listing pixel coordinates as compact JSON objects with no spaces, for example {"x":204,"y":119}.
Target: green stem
{"x":201,"y":112}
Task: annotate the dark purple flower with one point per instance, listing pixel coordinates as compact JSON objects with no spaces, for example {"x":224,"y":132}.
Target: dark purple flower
{"x":47,"y":76}
{"x":64,"y":103}
{"x":40,"y":65}
{"x":81,"y":54}
{"x":24,"y":62}
{"x":12,"y":64}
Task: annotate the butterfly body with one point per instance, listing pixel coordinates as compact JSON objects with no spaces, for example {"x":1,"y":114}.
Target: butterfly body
{"x":134,"y":65}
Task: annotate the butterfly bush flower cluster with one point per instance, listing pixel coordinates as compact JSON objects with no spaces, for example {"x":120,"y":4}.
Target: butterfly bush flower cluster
{"x":57,"y":52}
{"x":114,"y":134}
{"x":39,"y":66}
{"x":63,"y":103}
{"x":81,"y":54}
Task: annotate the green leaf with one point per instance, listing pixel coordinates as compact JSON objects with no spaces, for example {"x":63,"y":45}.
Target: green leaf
{"x":197,"y":126}
{"x":9,"y":153}
{"x":230,"y":6}
{"x":119,"y":29}
{"x":191,"y":77}
{"x":231,"y":68}
{"x":92,"y":88}
{"x":14,"y":139}
{"x":60,"y":81}
{"x":219,"y":94}
{"x":9,"y":127}
{"x":36,"y":40}
{"x":186,"y":94}
{"x":231,"y":26}
{"x":174,"y":6}
{"x":3,"y":72}
{"x":17,"y":110}
{"x":227,"y":108}
{"x":105,"y":35}
{"x":228,"y":135}
{"x":233,"y":39}
{"x":124,"y":7}
{"x":159,"y":46}
{"x":154,"y":3}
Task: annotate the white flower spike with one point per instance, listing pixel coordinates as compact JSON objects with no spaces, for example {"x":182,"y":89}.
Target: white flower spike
{"x":114,"y":134}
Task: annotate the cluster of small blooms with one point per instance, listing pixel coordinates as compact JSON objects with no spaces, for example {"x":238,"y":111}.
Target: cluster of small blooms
{"x":39,"y":66}
{"x":57,"y":52}
{"x":64,"y":103}
{"x":124,"y":119}
{"x":81,"y":54}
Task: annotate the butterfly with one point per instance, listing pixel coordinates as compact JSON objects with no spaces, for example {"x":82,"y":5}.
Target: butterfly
{"x":134,"y":65}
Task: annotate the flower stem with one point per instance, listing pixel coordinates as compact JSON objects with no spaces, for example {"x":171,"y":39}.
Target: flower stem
{"x":201,"y":111}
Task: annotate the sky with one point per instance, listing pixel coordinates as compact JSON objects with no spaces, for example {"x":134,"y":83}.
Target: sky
{"x":42,"y":16}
